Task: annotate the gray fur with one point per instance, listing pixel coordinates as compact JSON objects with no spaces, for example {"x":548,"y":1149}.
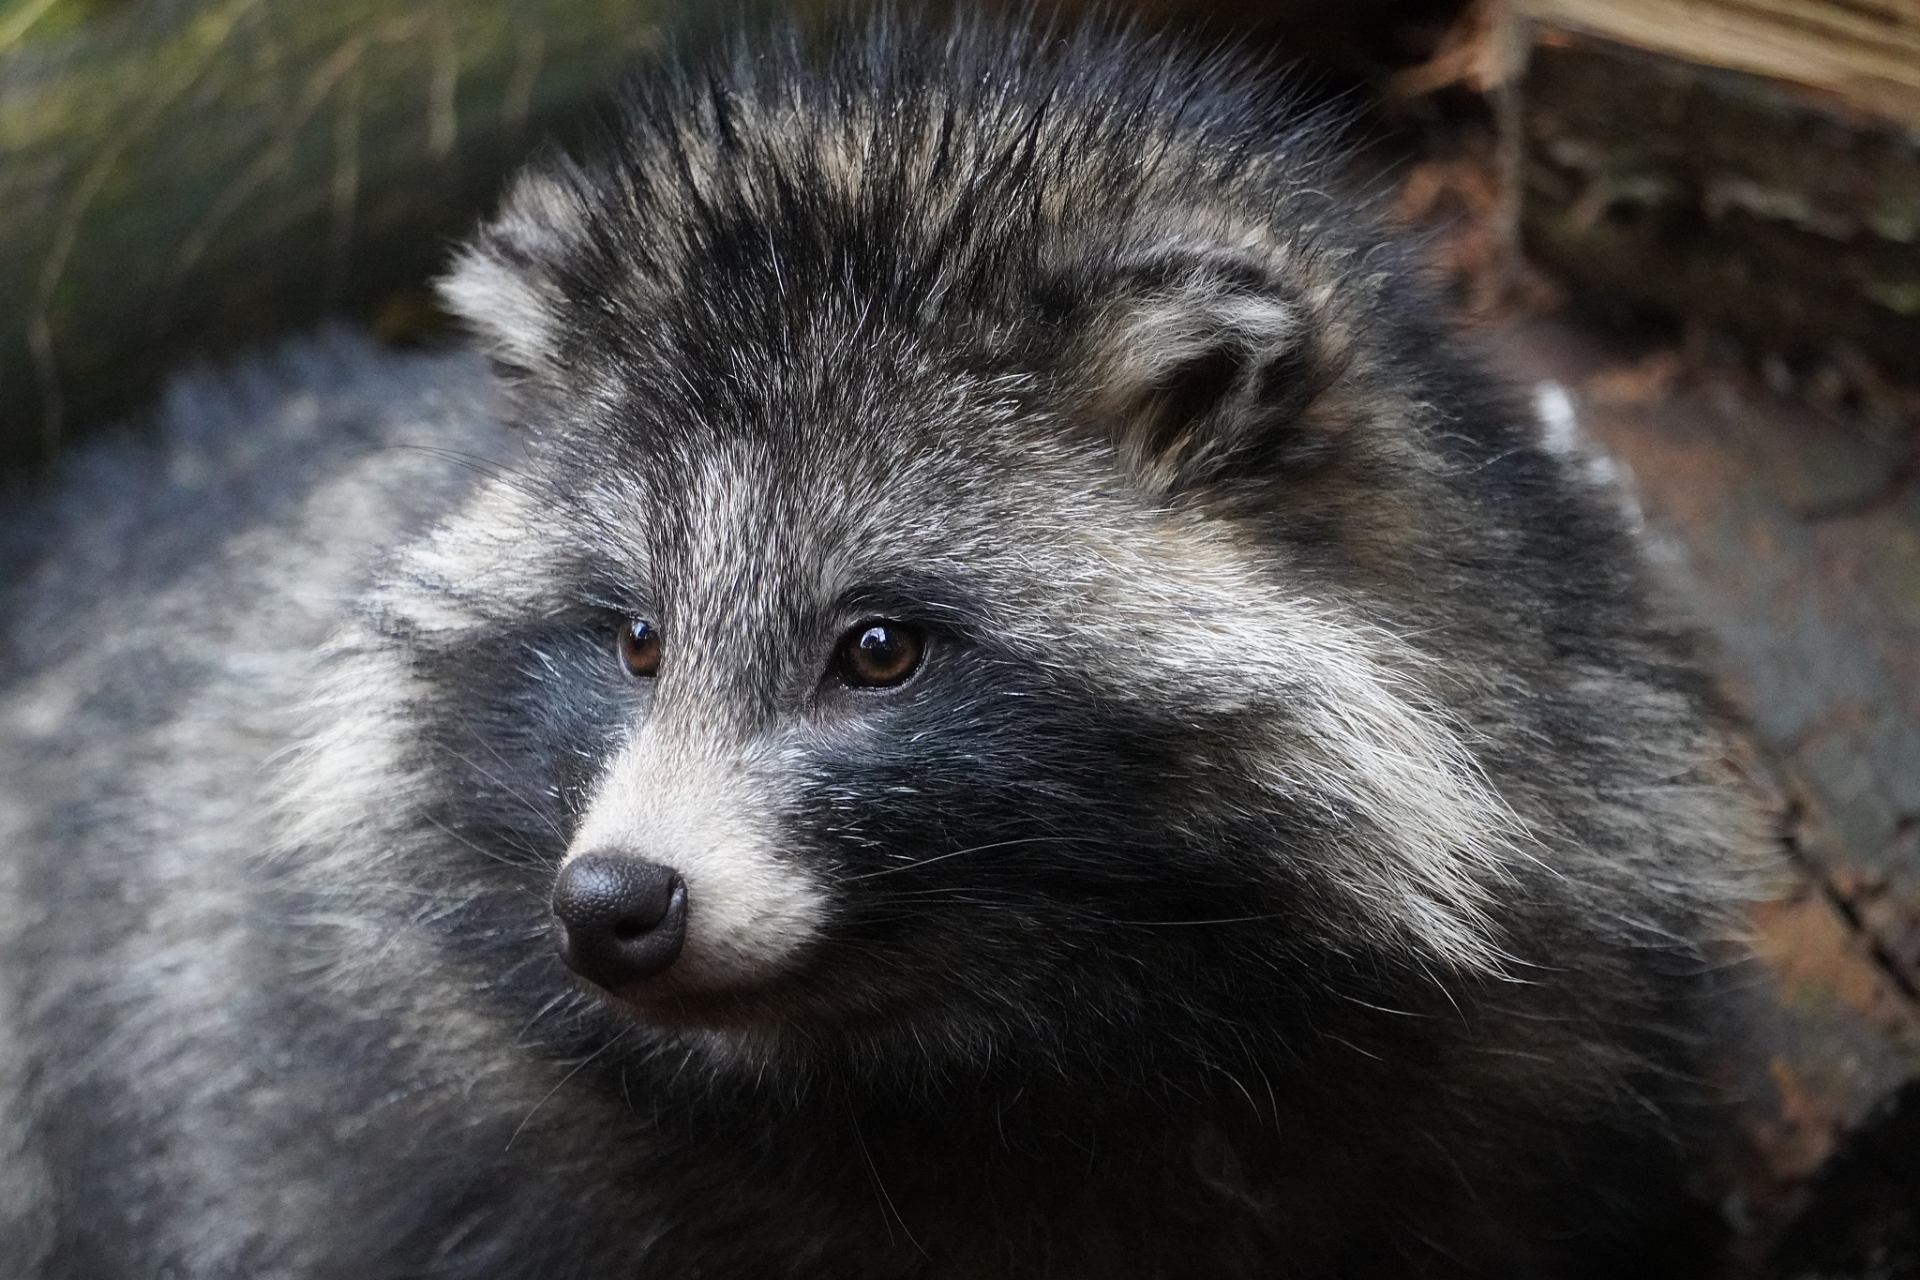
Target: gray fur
{"x":1303,"y":853}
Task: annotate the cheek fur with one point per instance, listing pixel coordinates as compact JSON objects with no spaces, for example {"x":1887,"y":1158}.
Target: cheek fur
{"x":521,"y":724}
{"x":1291,"y":705}
{"x":997,"y":800}
{"x":1308,"y":764}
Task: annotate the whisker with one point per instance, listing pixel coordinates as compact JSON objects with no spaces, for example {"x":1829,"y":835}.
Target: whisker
{"x":501,"y":783}
{"x":1178,"y":924}
{"x":563,"y":1084}
{"x":532,"y":862}
{"x":978,"y":848}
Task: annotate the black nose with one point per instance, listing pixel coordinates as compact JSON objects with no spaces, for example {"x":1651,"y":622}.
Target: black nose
{"x":621,"y":919}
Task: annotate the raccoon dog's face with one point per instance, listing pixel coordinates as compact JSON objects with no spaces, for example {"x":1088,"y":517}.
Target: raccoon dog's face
{"x":920,"y":616}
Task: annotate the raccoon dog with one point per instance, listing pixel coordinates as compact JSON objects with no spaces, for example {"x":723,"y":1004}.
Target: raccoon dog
{"x":979,"y":691}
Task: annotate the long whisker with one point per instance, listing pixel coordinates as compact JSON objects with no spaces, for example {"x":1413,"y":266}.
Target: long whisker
{"x":501,"y":783}
{"x":530,"y":862}
{"x":988,"y":896}
{"x":1177,"y":924}
{"x":978,"y":848}
{"x":563,"y":1084}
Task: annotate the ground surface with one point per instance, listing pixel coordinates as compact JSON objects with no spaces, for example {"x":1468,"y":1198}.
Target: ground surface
{"x":1790,"y":533}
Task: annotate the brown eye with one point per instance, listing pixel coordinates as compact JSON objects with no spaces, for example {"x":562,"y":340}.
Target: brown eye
{"x":879,"y":655}
{"x":640,"y":647}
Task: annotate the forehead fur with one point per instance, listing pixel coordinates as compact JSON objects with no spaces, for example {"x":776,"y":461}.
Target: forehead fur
{"x":958,"y":184}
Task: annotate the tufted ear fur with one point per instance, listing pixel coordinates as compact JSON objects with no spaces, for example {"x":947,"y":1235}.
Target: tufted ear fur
{"x":1208,"y":364}
{"x":501,"y":284}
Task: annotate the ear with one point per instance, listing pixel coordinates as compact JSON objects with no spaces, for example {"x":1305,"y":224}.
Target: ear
{"x":1208,"y":366}
{"x":501,"y":283}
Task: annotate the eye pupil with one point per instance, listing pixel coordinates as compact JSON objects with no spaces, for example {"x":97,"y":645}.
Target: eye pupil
{"x":878,"y":655}
{"x":640,"y":647}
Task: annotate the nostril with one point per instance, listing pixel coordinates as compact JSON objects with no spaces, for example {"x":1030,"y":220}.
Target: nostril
{"x":621,"y":918}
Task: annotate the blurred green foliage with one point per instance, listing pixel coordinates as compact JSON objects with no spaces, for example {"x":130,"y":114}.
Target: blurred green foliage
{"x":39,"y":19}
{"x":181,"y":177}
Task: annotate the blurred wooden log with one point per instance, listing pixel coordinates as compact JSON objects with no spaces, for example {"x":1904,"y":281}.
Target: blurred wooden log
{"x":1750,"y":165}
{"x":1863,"y":56}
{"x":1723,"y":198}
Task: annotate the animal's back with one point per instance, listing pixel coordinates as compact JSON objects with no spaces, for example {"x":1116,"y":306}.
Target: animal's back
{"x":168,"y":599}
